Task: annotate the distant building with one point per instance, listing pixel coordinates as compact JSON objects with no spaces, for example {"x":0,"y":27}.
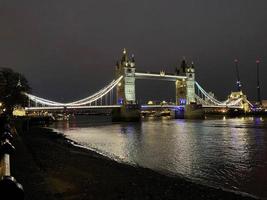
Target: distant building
{"x":235,"y":96}
{"x":19,"y":111}
{"x":150,"y":103}
{"x":264,"y":103}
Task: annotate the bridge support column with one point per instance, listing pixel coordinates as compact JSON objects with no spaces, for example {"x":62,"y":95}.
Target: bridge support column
{"x":180,"y":86}
{"x":185,"y":89}
{"x":185,"y":93}
{"x":194,"y":111}
{"x":127,"y":113}
{"x":191,"y":111}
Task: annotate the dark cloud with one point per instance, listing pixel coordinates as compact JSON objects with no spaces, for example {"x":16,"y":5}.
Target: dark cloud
{"x":68,"y":48}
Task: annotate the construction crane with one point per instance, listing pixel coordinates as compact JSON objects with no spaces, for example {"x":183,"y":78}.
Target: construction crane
{"x":238,"y":82}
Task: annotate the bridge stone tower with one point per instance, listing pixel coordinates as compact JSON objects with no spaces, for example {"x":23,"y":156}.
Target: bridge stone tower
{"x":129,"y":111}
{"x":190,"y":82}
{"x":185,"y":89}
{"x":126,"y":88}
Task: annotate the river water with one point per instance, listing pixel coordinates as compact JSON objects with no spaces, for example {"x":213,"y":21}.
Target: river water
{"x":229,"y":153}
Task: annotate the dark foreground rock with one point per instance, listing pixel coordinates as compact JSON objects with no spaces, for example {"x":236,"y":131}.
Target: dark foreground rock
{"x":49,"y":167}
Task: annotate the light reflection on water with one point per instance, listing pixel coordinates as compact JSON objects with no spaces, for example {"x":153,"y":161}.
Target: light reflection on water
{"x":227,"y":153}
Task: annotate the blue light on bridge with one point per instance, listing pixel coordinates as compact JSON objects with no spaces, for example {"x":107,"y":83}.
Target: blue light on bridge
{"x":180,"y":108}
{"x":120,"y":101}
{"x":182,"y":101}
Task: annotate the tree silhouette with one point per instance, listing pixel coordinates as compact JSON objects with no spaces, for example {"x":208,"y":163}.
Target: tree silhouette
{"x":12,"y":87}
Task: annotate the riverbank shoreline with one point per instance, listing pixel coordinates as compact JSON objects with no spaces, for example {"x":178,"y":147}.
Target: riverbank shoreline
{"x":50,"y":167}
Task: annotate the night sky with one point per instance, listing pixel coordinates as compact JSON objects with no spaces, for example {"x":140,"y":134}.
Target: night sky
{"x":67,"y":49}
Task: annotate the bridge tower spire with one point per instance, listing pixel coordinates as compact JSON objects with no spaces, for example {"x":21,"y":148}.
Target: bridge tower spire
{"x":126,"y":88}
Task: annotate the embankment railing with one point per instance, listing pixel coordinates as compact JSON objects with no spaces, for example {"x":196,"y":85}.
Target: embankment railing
{"x":9,"y":187}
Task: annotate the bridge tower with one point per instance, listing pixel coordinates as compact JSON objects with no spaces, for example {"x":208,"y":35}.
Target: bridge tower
{"x":129,"y":111}
{"x":190,"y":82}
{"x":185,"y":89}
{"x":126,"y":88}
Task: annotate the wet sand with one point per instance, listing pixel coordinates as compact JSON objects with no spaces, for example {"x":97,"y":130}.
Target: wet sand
{"x":49,"y":167}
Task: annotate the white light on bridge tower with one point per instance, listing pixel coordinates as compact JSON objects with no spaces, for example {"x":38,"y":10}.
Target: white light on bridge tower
{"x":190,"y":83}
{"x":129,"y":78}
{"x":126,"y":88}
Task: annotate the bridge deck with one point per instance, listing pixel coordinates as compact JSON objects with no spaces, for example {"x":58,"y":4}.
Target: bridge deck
{"x":118,"y":106}
{"x":71,"y":107}
{"x":163,"y":77}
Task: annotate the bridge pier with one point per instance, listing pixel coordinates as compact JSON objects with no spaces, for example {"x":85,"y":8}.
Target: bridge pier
{"x":194,"y":111}
{"x":190,"y":111}
{"x":126,"y":113}
{"x":179,"y":113}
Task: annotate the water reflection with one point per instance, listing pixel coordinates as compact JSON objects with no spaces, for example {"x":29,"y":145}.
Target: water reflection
{"x":226,"y":153}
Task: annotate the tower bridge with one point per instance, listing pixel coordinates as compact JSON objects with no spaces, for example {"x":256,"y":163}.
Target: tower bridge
{"x":120,"y":96}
